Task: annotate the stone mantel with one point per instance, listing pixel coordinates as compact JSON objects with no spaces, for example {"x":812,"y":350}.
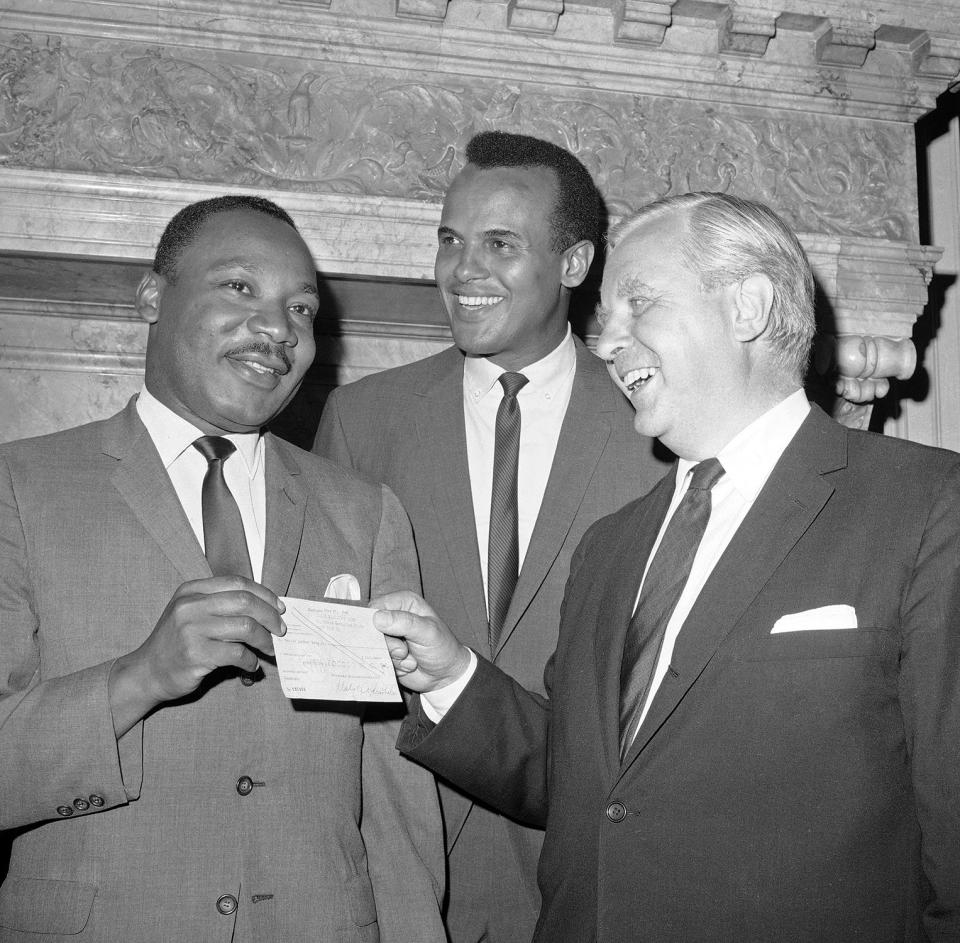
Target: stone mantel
{"x":354,"y":115}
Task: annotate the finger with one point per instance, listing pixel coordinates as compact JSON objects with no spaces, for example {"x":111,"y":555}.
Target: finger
{"x":238,"y":655}
{"x":246,"y":631}
{"x":397,"y":648}
{"x":241,"y":602}
{"x":217,"y":585}
{"x":405,"y":601}
{"x":404,"y":625}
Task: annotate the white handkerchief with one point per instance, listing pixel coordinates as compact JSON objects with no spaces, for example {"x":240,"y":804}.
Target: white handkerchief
{"x":826,"y":617}
{"x":343,"y":586}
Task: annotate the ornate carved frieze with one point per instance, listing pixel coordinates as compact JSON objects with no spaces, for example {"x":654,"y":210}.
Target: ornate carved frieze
{"x":174,"y":114}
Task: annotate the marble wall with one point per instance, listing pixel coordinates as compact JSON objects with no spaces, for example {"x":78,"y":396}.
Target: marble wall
{"x":353,"y":116}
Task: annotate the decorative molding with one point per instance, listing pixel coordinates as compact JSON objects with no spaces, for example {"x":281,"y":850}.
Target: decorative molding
{"x":164,"y":115}
{"x":423,"y":9}
{"x":535,"y":16}
{"x":642,"y":21}
{"x":710,"y":51}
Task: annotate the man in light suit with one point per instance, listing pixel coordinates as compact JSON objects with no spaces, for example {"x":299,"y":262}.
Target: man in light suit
{"x":156,"y":784}
{"x":516,"y":236}
{"x":789,"y":767}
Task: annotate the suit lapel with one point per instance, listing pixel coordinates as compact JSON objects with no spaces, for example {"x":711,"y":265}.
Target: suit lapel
{"x":583,"y":436}
{"x":142,"y":481}
{"x":441,"y":433}
{"x":625,"y":563}
{"x":286,"y":506}
{"x":789,"y":502}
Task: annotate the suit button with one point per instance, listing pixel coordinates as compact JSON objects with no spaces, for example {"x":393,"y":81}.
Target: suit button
{"x":81,"y":805}
{"x":246,"y":679}
{"x":64,"y":810}
{"x":616,"y":811}
{"x":244,"y":785}
{"x":96,"y":801}
{"x":227,"y":904}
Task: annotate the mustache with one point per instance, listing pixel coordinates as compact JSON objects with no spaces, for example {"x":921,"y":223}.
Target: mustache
{"x":276,"y":351}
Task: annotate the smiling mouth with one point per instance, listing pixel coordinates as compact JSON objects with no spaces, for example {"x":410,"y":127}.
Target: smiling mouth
{"x":263,"y":359}
{"x":478,"y":301}
{"x":634,"y":379}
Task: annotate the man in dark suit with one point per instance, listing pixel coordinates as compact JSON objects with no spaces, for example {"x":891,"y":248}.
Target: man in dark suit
{"x":753,"y":724}
{"x":516,"y":237}
{"x":156,"y":784}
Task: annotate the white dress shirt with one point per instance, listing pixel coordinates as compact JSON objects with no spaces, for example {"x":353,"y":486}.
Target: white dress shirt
{"x":243,"y":471}
{"x":543,"y":405}
{"x":748,"y":459}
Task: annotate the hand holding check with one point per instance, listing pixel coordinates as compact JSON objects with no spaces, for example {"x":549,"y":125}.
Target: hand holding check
{"x":426,"y":655}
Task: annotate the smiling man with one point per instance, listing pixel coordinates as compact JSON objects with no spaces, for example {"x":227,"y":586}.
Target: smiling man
{"x":516,"y":237}
{"x":752,"y":732}
{"x":156,"y":783}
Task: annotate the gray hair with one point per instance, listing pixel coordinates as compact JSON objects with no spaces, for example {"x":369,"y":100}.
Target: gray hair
{"x":729,"y":239}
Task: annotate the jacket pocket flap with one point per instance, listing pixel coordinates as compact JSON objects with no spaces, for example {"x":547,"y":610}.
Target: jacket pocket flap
{"x":39,"y":906}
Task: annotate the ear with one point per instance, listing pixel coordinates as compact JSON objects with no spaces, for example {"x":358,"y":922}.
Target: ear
{"x":576,"y":263}
{"x":752,"y":301}
{"x":149,"y":292}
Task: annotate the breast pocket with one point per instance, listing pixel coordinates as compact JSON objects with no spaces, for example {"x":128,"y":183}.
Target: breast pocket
{"x":823,"y":644}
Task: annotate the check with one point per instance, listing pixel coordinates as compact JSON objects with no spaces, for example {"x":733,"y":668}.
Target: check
{"x":332,"y":652}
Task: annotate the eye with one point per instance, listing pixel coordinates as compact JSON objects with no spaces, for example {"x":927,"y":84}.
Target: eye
{"x":303,"y":310}
{"x":500,"y":244}
{"x":446,"y":239}
{"x":238,"y":284}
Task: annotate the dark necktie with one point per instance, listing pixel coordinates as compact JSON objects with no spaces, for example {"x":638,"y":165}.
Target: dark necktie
{"x":503,"y":549}
{"x":224,"y":540}
{"x":666,"y":577}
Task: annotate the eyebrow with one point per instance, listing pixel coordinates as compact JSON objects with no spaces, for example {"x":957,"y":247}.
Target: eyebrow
{"x":228,"y":265}
{"x":633,"y":285}
{"x":487,"y":233}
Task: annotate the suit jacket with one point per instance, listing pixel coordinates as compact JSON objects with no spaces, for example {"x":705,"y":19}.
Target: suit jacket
{"x":335,"y":834}
{"x":794,"y":786}
{"x":405,"y":427}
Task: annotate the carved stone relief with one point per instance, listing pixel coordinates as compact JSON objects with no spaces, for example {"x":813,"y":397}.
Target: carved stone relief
{"x":164,"y":113}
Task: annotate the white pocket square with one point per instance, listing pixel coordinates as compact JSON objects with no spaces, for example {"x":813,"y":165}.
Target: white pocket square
{"x":826,"y":617}
{"x":343,"y":586}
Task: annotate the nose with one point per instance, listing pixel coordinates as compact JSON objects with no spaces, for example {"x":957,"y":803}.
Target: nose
{"x":470,"y":264}
{"x":613,"y":338}
{"x":273,"y":320}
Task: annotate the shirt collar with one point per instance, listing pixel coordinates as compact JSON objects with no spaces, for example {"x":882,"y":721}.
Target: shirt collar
{"x":480,"y":374}
{"x":750,"y":456}
{"x":173,"y":435}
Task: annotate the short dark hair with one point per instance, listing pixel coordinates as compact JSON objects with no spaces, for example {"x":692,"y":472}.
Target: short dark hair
{"x":576,"y":215}
{"x":181,"y":231}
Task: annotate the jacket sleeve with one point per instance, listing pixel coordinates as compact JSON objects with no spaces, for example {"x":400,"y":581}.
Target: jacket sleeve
{"x":401,"y":824}
{"x":59,"y":756}
{"x":929,"y":688}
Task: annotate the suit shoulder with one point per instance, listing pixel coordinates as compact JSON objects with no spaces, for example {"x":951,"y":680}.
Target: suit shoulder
{"x":64,"y":445}
{"x":394,"y":380}
{"x":323,"y":472}
{"x":891,"y":457}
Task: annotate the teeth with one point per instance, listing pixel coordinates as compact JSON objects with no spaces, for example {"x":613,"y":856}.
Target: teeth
{"x":636,"y":378}
{"x":259,"y":367}
{"x":478,"y":301}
